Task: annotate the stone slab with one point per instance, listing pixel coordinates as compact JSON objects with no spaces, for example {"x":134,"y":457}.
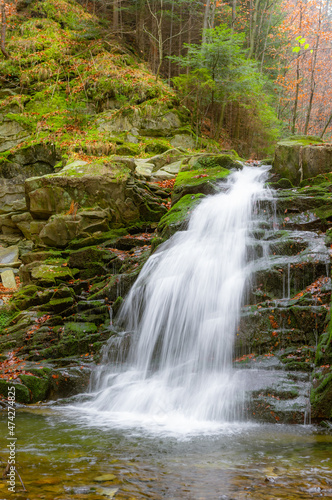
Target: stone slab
{"x":8,"y":279}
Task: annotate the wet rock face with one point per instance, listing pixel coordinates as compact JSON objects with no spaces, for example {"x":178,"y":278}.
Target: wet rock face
{"x":286,"y":316}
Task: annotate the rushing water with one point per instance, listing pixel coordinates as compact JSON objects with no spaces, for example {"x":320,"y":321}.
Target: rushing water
{"x":183,"y":312}
{"x":164,"y":422}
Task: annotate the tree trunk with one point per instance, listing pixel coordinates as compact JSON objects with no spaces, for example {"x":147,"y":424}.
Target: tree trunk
{"x":115,"y":15}
{"x":3,"y":31}
{"x":253,"y":30}
{"x":205,"y":21}
{"x":326,"y":125}
{"x":233,"y":13}
{"x":297,"y":81}
{"x":312,"y":78}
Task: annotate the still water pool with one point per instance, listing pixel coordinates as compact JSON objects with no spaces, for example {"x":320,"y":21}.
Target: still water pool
{"x":62,"y":455}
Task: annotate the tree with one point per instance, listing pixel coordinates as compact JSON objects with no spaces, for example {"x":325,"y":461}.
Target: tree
{"x":226,"y":85}
{"x":6,"y":9}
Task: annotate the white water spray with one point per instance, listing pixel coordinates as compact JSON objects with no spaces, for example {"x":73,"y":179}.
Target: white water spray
{"x":183,"y":311}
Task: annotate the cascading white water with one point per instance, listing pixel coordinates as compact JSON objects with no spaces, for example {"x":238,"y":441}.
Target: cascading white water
{"x":183,"y":311}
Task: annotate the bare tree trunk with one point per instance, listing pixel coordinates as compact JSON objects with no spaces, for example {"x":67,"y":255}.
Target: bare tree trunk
{"x":253,"y":30}
{"x":312,"y":77}
{"x":297,"y":82}
{"x":233,"y":13}
{"x":3,"y":31}
{"x":115,"y":15}
{"x":205,"y":20}
{"x":170,"y":46}
{"x":326,"y":126}
{"x":265,"y":41}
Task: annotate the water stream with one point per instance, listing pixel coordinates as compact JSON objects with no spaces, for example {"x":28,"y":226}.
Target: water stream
{"x":164,"y":419}
{"x":182,"y":313}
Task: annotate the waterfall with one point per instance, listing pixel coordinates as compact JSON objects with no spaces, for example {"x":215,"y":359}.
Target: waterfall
{"x":183,"y":313}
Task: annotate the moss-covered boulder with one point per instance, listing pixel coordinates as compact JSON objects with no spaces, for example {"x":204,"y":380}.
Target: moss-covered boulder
{"x":321,"y":394}
{"x":201,"y":174}
{"x":302,"y":157}
{"x":108,"y":186}
{"x":22,"y":393}
{"x":152,"y":119}
{"x":178,"y":216}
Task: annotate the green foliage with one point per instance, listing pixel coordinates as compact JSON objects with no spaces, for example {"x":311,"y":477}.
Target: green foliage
{"x":220,"y":75}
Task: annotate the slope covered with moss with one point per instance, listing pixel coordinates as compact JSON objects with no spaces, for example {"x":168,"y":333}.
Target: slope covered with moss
{"x":67,"y":79}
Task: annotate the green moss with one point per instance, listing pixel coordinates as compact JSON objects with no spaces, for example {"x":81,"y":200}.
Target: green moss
{"x":128,"y":149}
{"x":301,"y":140}
{"x":79,"y":330}
{"x":38,"y":387}
{"x":321,"y":396}
{"x":157,"y":146}
{"x":107,"y":238}
{"x":58,"y":305}
{"x":22,"y":394}
{"x":328,"y":237}
{"x":6,"y":315}
{"x":179,"y":214}
{"x":322,"y":179}
{"x":53,"y":273}
{"x":200,"y":176}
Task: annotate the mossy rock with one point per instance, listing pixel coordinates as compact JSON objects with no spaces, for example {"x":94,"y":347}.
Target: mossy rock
{"x":22,"y":394}
{"x":93,"y":261}
{"x":50,"y":274}
{"x":79,"y":330}
{"x":38,"y":387}
{"x":328,"y":237}
{"x":321,"y":395}
{"x":98,"y":238}
{"x":128,"y":149}
{"x":157,"y":146}
{"x":178,"y":216}
{"x":302,"y":157}
{"x":201,"y":174}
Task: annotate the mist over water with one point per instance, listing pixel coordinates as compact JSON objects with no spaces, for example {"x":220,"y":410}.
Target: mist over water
{"x":183,"y":313}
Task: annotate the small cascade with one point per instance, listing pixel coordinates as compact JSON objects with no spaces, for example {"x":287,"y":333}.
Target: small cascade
{"x":182,"y":314}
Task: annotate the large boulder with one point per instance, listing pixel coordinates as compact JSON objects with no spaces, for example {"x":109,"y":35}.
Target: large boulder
{"x":16,"y":168}
{"x":151,"y":120}
{"x":202,"y":173}
{"x":84,"y":198}
{"x":301,"y":157}
{"x":12,"y":132}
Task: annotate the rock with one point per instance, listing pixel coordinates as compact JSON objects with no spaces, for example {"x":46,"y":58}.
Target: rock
{"x":196,"y":180}
{"x":8,"y":279}
{"x":12,"y":133}
{"x":106,"y":185}
{"x":14,"y":169}
{"x":302,"y":157}
{"x":9,"y":254}
{"x":185,"y":141}
{"x":321,"y":394}
{"x":166,"y":158}
{"x":144,"y":168}
{"x":13,"y":265}
{"x":105,"y":477}
{"x":161,"y":175}
{"x":22,"y":394}
{"x":173,"y":168}
{"x":49,"y":273}
{"x":59,"y":231}
{"x":108,"y":492}
{"x":149,"y":120}
{"x":178,"y":216}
